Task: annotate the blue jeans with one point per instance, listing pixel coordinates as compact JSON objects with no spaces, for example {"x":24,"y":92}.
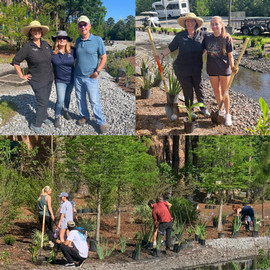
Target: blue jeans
{"x":63,"y":91}
{"x":88,"y":85}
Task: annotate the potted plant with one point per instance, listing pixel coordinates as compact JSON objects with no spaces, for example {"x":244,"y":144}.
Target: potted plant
{"x":156,"y":251}
{"x":137,"y":252}
{"x":203,"y":235}
{"x":189,"y":124}
{"x":256,"y":226}
{"x":197,"y":232}
{"x":236,"y":226}
{"x":190,"y":232}
{"x":144,"y":69}
{"x":157,"y":79}
{"x":174,"y":89}
{"x":215,"y":221}
{"x":146,"y":88}
{"x":178,"y":230}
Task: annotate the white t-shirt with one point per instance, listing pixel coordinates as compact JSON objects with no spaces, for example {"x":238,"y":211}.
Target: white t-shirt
{"x":79,"y":241}
{"x":67,"y":210}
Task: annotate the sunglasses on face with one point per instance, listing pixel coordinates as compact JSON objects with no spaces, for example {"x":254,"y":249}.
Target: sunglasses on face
{"x":81,"y":25}
{"x":65,"y":38}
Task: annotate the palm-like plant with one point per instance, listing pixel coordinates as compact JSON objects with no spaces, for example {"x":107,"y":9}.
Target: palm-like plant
{"x":190,"y":109}
{"x":174,"y":85}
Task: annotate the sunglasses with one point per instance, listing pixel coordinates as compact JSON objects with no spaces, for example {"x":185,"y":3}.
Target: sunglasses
{"x":65,"y":38}
{"x":81,"y":25}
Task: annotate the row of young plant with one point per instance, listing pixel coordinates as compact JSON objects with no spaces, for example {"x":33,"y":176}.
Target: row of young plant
{"x":258,"y":43}
{"x":128,"y":52}
{"x":160,"y":30}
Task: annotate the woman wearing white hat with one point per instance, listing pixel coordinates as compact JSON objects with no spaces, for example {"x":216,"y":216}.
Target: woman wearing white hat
{"x":37,"y":54}
{"x":188,"y":65}
{"x":63,"y":66}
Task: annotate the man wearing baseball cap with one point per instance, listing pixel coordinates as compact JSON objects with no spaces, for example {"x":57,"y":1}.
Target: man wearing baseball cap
{"x":66,"y":215}
{"x":75,"y":248}
{"x":89,"y":50}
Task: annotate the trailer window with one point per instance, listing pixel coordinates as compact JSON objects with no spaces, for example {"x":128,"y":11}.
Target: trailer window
{"x":159,"y":7}
{"x":184,"y":5}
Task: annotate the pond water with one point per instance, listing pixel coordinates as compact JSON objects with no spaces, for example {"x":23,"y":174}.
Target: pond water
{"x":248,"y":264}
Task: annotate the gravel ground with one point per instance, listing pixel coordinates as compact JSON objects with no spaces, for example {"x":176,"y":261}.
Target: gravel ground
{"x":118,"y":109}
{"x":216,"y":251}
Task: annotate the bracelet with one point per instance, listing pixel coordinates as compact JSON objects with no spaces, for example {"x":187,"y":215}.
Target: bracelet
{"x":97,"y":71}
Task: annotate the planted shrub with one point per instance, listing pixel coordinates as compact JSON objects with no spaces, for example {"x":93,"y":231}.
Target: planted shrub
{"x":10,"y":240}
{"x":183,"y":210}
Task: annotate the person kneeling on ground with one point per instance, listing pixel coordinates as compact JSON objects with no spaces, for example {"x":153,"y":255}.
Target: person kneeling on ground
{"x":75,"y":248}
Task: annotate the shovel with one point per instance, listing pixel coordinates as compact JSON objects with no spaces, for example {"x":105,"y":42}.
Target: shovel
{"x":168,"y":107}
{"x":215,"y":117}
{"x":42,"y":258}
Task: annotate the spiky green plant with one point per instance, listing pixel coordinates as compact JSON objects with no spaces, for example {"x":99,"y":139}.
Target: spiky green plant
{"x":174,"y":85}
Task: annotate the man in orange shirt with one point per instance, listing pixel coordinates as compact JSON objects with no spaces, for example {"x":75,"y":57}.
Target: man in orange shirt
{"x":162,"y":219}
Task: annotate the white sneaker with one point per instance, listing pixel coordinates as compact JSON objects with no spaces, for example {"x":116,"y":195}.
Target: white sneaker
{"x":228,"y":120}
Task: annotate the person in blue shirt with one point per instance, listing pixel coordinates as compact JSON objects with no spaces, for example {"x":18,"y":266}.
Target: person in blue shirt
{"x":63,"y":56}
{"x":89,"y":50}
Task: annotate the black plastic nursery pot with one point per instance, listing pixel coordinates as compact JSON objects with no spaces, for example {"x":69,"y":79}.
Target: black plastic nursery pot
{"x":40,"y":260}
{"x":202,"y":242}
{"x":221,"y":235}
{"x":93,"y":245}
{"x":176,"y":248}
{"x":235,"y":234}
{"x":215,"y":224}
{"x":157,"y":83}
{"x":84,"y":211}
{"x":171,"y":99}
{"x":145,"y":94}
{"x":79,"y":211}
{"x":206,"y":206}
{"x":156,"y":252}
{"x":255,"y":233}
{"x":135,"y":255}
{"x":189,"y":127}
{"x":196,"y":237}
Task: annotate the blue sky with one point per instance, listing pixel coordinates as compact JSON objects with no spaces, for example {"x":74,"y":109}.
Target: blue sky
{"x":119,"y":9}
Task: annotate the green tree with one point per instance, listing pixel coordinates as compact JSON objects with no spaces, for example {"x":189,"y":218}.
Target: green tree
{"x":13,"y":18}
{"x":202,"y":7}
{"x":262,"y":171}
{"x":130,"y":28}
{"x":143,"y":5}
{"x":224,"y":165}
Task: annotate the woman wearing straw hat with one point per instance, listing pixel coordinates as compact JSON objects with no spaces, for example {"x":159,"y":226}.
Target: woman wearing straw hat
{"x":37,"y":54}
{"x":188,"y":65}
{"x":63,"y":56}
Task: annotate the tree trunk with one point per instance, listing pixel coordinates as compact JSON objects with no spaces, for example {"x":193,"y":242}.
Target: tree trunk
{"x":263,"y":205}
{"x":187,"y":146}
{"x":175,"y":154}
{"x":194,"y":145}
{"x":119,"y":212}
{"x":167,"y":150}
{"x":98,"y":214}
{"x":220,"y":226}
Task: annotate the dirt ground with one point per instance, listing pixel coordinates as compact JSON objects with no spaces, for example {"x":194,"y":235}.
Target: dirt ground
{"x":20,"y":257}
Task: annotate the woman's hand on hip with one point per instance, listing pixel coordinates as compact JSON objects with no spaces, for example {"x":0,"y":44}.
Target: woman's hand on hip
{"x":27,"y":77}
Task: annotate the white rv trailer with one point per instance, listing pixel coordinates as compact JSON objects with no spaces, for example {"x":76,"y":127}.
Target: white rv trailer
{"x":174,"y":8}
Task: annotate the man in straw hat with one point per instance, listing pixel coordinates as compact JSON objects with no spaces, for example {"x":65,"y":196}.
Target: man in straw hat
{"x":37,"y":54}
{"x":89,"y":49}
{"x":188,"y":65}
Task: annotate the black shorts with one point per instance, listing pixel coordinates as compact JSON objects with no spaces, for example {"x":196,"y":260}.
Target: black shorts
{"x":219,"y":75}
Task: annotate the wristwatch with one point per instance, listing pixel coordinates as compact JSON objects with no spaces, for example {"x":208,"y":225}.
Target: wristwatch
{"x":97,"y":71}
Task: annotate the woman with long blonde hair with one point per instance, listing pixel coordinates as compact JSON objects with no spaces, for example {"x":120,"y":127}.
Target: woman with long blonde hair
{"x":220,"y":62}
{"x":63,"y":56}
{"x":45,"y":199}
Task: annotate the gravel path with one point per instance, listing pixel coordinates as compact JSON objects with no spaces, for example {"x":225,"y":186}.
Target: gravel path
{"x":118,"y":109}
{"x":216,"y":251}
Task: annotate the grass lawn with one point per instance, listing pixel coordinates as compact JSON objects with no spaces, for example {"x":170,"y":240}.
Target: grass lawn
{"x":7,"y":111}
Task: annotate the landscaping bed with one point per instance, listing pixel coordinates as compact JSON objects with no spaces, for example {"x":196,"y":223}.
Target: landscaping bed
{"x":216,"y":250}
